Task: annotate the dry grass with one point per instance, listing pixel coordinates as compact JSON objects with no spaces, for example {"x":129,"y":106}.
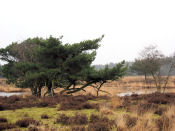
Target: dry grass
{"x":116,"y":102}
{"x":4,"y":87}
{"x":132,"y":84}
{"x":125,"y":84}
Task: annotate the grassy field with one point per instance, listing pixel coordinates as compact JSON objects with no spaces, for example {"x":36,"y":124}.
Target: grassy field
{"x":86,"y":112}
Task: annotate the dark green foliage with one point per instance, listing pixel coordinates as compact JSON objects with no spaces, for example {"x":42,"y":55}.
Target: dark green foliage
{"x":105,"y":75}
{"x":35,"y":63}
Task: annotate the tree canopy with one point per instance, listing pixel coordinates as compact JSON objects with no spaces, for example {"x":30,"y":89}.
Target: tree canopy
{"x":35,"y":63}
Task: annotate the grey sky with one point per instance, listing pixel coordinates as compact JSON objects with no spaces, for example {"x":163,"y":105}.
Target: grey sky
{"x":128,"y":25}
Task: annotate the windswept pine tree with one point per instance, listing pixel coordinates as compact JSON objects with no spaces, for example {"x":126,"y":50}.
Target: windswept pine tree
{"x":35,"y":63}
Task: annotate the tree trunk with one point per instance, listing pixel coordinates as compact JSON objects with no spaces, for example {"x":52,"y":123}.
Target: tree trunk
{"x":39,"y":92}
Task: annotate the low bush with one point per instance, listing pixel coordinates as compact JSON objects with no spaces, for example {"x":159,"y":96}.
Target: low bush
{"x":99,"y":123}
{"x":2,"y":120}
{"x":160,"y":111}
{"x":33,"y":128}
{"x":77,"y":119}
{"x":94,"y":118}
{"x":5,"y":126}
{"x":99,"y":126}
{"x":142,"y":108}
{"x":44,"y":116}
{"x":76,"y":103}
{"x":26,"y":122}
{"x":78,"y":128}
{"x":130,"y":121}
{"x":66,"y":102}
{"x":164,"y":123}
{"x":1,"y":107}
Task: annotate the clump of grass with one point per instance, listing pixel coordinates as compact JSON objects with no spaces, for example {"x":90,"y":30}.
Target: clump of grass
{"x":5,"y":126}
{"x":33,"y":128}
{"x":99,"y":126}
{"x":78,"y":128}
{"x":63,"y":119}
{"x":143,"y":108}
{"x":76,"y":103}
{"x":25,"y":122}
{"x":166,"y":121}
{"x":44,"y":116}
{"x":160,"y":111}
{"x":99,"y":123}
{"x":130,"y":121}
{"x":116,"y":102}
{"x":66,"y":102}
{"x":105,"y":109}
{"x":94,"y":118}
{"x":77,"y":119}
{"x":2,"y":120}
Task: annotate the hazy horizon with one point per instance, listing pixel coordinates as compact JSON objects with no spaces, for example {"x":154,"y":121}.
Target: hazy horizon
{"x":128,"y":26}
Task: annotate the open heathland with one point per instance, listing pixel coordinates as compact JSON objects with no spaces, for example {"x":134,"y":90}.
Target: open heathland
{"x":146,"y":112}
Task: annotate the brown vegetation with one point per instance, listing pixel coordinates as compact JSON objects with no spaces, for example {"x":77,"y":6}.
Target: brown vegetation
{"x":66,"y":102}
{"x":77,"y":119}
{"x":26,"y":122}
{"x":144,"y":112}
{"x":125,"y":84}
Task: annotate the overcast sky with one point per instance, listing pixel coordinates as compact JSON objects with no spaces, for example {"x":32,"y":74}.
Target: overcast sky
{"x":128,"y":25}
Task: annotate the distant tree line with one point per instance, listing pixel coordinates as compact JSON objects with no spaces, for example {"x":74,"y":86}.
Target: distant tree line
{"x":151,"y":62}
{"x":37,"y":63}
{"x":132,"y":72}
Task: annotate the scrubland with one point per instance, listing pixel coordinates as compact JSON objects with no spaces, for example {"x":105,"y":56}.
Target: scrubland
{"x":83,"y":111}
